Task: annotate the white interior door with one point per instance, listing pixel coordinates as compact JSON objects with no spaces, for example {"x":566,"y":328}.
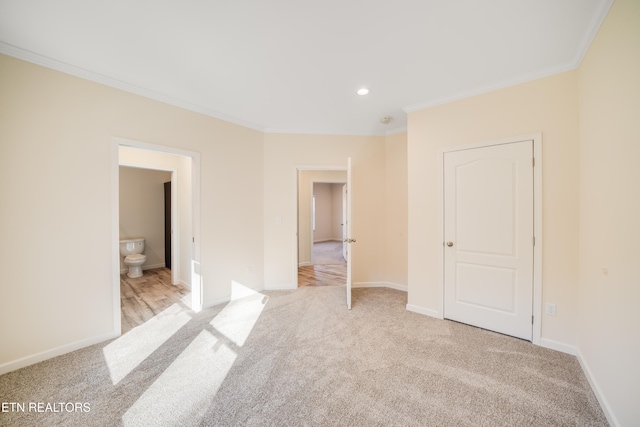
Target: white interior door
{"x":488,"y":233}
{"x":349,"y":240}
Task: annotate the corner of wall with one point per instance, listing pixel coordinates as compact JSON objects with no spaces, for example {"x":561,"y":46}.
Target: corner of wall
{"x":597,"y":390}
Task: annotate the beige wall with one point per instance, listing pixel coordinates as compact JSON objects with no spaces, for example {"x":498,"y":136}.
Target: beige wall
{"x":306,"y":178}
{"x":56,"y":166}
{"x":323,"y":224}
{"x":328,"y":211}
{"x":142,"y":212}
{"x":609,"y":293}
{"x":282,"y":154}
{"x":395,"y":224}
{"x":547,"y":105}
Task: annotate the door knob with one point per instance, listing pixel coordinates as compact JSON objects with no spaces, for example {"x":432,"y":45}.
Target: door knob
{"x":449,"y":244}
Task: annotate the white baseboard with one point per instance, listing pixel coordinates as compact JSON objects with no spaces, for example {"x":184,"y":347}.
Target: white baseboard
{"x":327,"y":240}
{"x":54,"y":352}
{"x":575,"y":351}
{"x":152,"y":266}
{"x":379,"y":285}
{"x":425,"y":311}
{"x":144,"y":267}
{"x":304,"y":264}
{"x":559,"y":346}
{"x":185,"y":284}
{"x":604,"y":404}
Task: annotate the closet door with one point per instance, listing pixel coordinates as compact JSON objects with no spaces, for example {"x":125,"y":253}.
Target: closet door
{"x":488,"y":237}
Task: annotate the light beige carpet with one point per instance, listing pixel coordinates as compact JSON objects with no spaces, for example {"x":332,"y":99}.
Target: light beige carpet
{"x":299,"y":358}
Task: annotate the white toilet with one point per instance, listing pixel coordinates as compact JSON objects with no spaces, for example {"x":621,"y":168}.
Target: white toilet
{"x":131,"y":250}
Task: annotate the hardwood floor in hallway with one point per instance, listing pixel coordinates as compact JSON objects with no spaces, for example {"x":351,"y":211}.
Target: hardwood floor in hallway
{"x":322,"y":275}
{"x":144,"y":297}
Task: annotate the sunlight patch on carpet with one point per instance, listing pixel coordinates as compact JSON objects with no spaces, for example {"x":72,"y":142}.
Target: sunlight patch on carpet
{"x":238,"y":317}
{"x":184,"y":391}
{"x":124,"y":354}
{"x":181,"y":395}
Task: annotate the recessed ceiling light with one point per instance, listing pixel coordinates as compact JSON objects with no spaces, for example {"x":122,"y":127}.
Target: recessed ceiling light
{"x":362,"y":92}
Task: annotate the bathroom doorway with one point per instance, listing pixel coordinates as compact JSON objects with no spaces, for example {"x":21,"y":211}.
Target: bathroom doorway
{"x":184,"y":184}
{"x":142,"y":215}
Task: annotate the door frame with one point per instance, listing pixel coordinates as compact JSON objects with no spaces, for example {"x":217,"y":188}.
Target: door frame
{"x":169,"y":234}
{"x":537,"y":221}
{"x":196,"y":280}
{"x":296,"y":202}
{"x":345,"y":213}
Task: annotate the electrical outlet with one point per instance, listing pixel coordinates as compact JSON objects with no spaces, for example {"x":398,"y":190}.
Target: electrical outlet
{"x":551,"y":309}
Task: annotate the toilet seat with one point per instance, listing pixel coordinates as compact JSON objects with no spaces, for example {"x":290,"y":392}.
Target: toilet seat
{"x":135,"y":261}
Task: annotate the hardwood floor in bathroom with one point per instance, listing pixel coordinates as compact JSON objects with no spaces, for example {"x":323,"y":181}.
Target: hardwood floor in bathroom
{"x":144,"y":297}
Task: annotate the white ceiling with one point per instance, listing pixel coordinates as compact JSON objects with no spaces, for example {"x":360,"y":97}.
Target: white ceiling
{"x":295,"y":65}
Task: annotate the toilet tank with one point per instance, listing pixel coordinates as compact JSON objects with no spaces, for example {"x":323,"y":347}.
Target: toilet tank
{"x":131,"y":246}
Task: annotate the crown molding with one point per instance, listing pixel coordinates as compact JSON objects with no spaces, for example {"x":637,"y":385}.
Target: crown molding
{"x":323,"y":132}
{"x":602,"y":9}
{"x":63,"y":67}
{"x":338,"y":133}
{"x":594,"y":25}
{"x":490,"y":88}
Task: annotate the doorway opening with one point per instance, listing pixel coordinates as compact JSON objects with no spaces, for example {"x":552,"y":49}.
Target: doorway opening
{"x":305,"y":272}
{"x":306,"y":178}
{"x":146,"y":207}
{"x":328,"y":224}
{"x":184,"y":251}
{"x":146,"y":213}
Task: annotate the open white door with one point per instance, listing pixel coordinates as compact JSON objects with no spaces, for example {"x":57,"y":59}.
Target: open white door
{"x":348,"y":239}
